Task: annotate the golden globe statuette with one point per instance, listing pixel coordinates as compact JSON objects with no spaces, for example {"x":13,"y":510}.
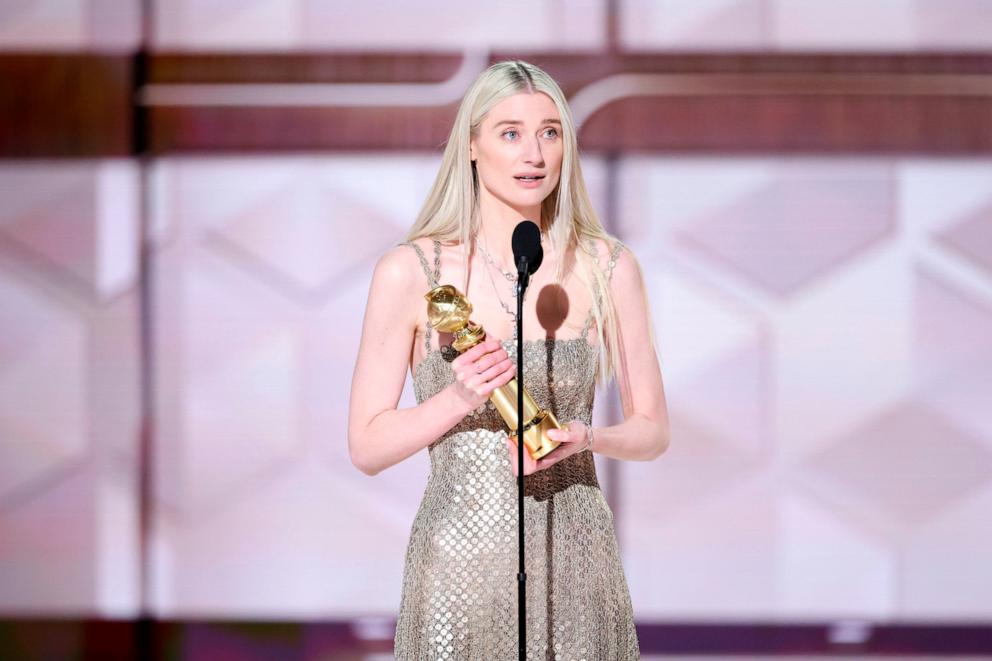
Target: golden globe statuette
{"x":448,"y":311}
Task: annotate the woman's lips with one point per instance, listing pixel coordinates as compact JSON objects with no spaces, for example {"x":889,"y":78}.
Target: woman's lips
{"x":530,"y":182}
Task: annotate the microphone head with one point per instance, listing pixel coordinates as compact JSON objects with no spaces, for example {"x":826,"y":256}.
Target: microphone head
{"x":526,"y":243}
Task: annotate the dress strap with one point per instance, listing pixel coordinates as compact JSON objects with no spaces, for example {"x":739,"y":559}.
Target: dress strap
{"x":432,"y":278}
{"x":614,"y":254}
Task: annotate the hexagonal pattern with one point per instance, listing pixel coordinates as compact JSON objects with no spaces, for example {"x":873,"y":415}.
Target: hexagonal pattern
{"x":832,"y":444}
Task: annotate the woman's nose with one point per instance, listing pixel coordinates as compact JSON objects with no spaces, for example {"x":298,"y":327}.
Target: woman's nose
{"x":533,"y":152}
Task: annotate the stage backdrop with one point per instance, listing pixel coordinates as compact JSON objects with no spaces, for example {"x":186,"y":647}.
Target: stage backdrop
{"x":824,"y":322}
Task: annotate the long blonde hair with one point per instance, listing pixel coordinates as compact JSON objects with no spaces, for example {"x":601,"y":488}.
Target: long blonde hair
{"x":451,"y":211}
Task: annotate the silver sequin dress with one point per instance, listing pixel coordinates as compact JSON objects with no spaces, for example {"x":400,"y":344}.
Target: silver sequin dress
{"x":459,"y":594}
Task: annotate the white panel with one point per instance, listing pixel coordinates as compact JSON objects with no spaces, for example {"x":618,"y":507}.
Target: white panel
{"x":379,"y":25}
{"x":43,"y":25}
{"x":692,"y":25}
{"x":118,"y":217}
{"x":843,"y":24}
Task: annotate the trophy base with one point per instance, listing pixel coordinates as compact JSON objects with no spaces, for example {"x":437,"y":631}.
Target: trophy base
{"x":536,"y":438}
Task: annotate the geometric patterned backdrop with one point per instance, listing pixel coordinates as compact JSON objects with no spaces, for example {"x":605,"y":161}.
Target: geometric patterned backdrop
{"x":825,"y":329}
{"x":260,"y":295}
{"x":824,"y":324}
{"x":69,"y":386}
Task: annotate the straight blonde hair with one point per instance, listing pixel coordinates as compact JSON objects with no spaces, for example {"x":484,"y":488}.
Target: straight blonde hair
{"x":451,"y":211}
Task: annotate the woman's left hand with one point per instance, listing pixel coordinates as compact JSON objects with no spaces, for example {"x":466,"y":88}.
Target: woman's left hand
{"x":572,"y":438}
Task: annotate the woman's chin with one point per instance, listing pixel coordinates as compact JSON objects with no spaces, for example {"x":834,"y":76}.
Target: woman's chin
{"x":533,"y":199}
{"x":522,"y":202}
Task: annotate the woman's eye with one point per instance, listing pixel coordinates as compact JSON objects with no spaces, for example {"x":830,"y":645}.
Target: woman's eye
{"x":551,"y":133}
{"x":507,"y":135}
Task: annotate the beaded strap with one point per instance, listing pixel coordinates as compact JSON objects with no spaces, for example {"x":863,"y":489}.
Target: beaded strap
{"x":432,"y":278}
{"x":599,"y":295}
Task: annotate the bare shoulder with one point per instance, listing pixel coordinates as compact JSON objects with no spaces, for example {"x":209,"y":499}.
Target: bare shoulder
{"x":398,"y":269}
{"x":613,"y":249}
{"x":620,"y":264}
{"x":394,"y":292}
{"x":626,"y":268}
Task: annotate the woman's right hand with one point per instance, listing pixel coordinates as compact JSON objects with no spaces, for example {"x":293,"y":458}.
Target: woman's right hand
{"x":480,"y":370}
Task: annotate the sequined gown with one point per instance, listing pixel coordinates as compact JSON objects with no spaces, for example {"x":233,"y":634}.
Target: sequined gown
{"x":459,"y":594}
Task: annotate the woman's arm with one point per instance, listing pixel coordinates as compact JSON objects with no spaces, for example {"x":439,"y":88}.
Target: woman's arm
{"x":644,"y":433}
{"x":379,"y":434}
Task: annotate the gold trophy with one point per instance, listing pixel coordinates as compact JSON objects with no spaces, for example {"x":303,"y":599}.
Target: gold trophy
{"x":448,"y":311}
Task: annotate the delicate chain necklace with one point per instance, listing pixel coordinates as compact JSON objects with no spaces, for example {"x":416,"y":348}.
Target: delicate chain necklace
{"x":513,"y":287}
{"x":512,"y":277}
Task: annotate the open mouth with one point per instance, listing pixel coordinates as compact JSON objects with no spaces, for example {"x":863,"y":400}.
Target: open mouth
{"x":536,"y":178}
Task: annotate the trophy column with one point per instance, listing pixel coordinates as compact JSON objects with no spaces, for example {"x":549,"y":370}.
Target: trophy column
{"x":448,"y":310}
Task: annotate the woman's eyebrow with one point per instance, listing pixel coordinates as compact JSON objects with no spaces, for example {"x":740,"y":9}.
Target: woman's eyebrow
{"x":550,"y":120}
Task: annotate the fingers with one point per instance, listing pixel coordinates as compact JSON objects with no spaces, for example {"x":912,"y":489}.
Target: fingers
{"x":511,"y":449}
{"x":497,"y":370}
{"x":499,"y":375}
{"x":475,"y":353}
{"x":484,"y":367}
{"x":479,"y":358}
{"x":571,"y":437}
{"x":488,"y":361}
{"x":505,"y":377}
{"x":549,"y":461}
{"x":572,"y":432}
{"x":530,"y":465}
{"x":561,"y":452}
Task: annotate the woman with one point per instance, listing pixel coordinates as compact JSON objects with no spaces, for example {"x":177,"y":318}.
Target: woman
{"x":512,"y":155}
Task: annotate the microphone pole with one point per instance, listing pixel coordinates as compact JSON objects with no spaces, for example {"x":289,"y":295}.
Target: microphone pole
{"x":528,"y":255}
{"x":521,"y":574}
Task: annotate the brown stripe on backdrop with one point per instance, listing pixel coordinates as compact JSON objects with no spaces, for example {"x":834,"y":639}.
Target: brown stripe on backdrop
{"x":65,"y":105}
{"x":80,"y":105}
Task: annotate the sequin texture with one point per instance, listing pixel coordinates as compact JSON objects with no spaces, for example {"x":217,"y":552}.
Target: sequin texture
{"x":459,"y":593}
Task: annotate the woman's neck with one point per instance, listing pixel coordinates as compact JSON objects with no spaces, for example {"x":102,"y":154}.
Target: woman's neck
{"x":497,"y":222}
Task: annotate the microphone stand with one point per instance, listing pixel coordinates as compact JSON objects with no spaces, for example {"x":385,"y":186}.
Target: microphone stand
{"x":523,"y":275}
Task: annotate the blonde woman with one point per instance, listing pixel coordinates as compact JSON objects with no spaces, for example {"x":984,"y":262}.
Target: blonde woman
{"x":512,"y":155}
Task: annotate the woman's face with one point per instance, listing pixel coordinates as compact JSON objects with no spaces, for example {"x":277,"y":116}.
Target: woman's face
{"x":518,"y":149}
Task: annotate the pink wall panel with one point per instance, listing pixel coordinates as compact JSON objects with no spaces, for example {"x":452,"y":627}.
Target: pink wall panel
{"x":374,"y":25}
{"x":69,"y":388}
{"x":260,"y":290}
{"x":824,"y":326}
{"x":547,"y":25}
{"x":806,"y":25}
{"x":824,"y":342}
{"x":70,"y":25}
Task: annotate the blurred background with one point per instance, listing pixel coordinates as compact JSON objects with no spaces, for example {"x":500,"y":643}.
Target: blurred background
{"x":193,"y":194}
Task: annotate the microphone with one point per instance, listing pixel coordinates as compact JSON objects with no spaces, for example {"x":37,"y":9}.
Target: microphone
{"x":527,"y":251}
